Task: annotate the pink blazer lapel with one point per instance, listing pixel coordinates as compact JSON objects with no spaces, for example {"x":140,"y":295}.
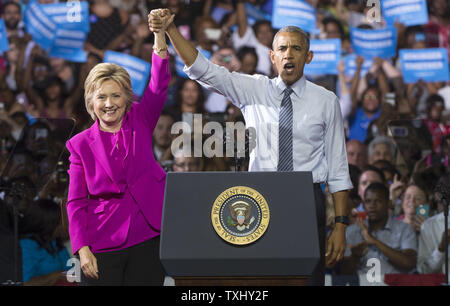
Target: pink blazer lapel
{"x":98,"y":149}
{"x":100,"y":153}
{"x":128,"y":132}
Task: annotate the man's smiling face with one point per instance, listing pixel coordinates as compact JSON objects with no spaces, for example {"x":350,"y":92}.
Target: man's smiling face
{"x":290,"y":53}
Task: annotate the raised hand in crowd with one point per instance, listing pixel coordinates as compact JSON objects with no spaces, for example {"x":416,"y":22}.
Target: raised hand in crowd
{"x":418,"y":220}
{"x":396,"y":189}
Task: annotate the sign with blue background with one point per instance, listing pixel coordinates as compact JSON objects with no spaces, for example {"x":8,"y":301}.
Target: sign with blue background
{"x":69,"y":15}
{"x":4,"y":44}
{"x":138,"y":69}
{"x":327,"y":54}
{"x":429,"y":65}
{"x":350,"y":65}
{"x":371,"y":43}
{"x":408,"y":12}
{"x":39,"y":25}
{"x":68,"y":45}
{"x":295,"y":13}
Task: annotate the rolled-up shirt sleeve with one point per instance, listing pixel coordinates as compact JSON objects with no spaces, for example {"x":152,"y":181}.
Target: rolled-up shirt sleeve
{"x":429,"y":259}
{"x":335,"y":152}
{"x":234,"y":85}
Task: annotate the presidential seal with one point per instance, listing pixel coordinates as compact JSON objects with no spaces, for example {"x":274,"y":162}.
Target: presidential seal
{"x":240,"y":215}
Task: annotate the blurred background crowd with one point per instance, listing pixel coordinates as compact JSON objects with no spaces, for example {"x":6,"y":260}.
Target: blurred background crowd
{"x":398,"y":134}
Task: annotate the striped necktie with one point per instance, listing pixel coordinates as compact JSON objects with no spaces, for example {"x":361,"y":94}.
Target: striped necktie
{"x":285,"y":150}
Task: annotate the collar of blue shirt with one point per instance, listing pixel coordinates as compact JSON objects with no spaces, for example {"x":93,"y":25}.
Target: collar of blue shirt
{"x":298,"y":87}
{"x":388,"y":226}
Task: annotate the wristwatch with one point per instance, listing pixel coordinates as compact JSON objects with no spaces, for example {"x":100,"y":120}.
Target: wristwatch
{"x":158,"y":50}
{"x":342,"y":219}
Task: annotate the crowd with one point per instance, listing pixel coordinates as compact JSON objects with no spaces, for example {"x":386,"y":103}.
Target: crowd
{"x":398,"y":134}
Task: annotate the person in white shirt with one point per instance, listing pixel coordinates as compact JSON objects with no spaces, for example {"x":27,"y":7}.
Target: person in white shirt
{"x":260,"y":38}
{"x":431,"y":245}
{"x":431,"y":254}
{"x":307,"y":134}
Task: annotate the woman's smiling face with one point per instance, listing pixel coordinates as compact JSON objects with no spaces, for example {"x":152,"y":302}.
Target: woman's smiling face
{"x":109,"y":103}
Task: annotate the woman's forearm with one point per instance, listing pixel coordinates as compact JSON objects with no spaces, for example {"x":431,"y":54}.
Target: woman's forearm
{"x":160,"y":45}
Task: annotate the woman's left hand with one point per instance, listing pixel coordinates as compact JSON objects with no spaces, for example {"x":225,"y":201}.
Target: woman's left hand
{"x":159,"y":20}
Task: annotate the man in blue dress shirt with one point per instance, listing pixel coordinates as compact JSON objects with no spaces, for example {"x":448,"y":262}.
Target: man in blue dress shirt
{"x":299,"y":124}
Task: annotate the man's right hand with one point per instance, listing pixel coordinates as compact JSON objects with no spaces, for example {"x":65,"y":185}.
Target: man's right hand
{"x":159,"y":20}
{"x":88,"y":262}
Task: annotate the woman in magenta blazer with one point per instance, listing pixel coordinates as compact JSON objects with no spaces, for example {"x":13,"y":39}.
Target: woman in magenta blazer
{"x":116,"y":187}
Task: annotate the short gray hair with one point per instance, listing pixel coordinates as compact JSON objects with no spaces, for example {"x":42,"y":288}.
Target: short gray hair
{"x":382,"y":139}
{"x":293,"y":29}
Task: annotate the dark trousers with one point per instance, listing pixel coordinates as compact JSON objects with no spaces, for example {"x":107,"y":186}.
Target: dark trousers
{"x":138,"y":265}
{"x":318,"y":276}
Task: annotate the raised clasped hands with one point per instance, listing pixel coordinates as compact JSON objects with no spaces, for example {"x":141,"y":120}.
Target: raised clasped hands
{"x":159,"y":20}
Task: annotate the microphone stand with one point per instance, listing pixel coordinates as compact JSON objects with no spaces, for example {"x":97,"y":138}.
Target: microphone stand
{"x":238,"y":161}
{"x":16,"y":214}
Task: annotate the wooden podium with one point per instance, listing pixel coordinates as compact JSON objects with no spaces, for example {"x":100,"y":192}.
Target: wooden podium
{"x":195,"y":253}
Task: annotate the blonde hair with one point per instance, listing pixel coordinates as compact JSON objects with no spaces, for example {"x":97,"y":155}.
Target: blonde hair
{"x":104,"y":72}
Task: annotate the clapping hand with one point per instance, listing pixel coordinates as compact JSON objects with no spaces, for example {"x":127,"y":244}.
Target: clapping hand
{"x":360,"y":249}
{"x":159,"y":20}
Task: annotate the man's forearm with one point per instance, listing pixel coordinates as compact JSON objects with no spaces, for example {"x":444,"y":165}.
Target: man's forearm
{"x":340,"y":202}
{"x":184,"y":48}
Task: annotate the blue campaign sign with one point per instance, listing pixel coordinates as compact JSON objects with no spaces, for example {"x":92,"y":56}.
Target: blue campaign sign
{"x":39,"y":25}
{"x":408,"y":12}
{"x":255,"y":13}
{"x":327,"y":54}
{"x":4,"y":44}
{"x":429,"y":65}
{"x":179,"y":65}
{"x":68,"y":45}
{"x":371,"y":43}
{"x":72,"y":15}
{"x":268,"y":7}
{"x":350,"y":65}
{"x":138,"y":69}
{"x":295,"y":13}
